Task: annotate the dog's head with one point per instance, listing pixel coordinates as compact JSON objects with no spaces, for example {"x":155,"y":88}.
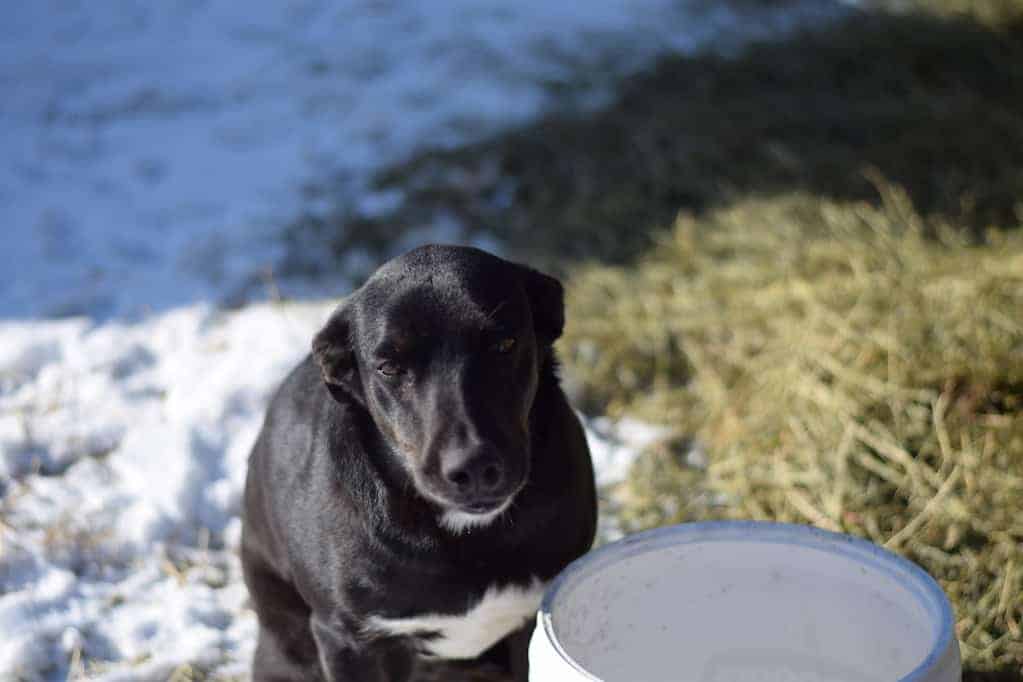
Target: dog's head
{"x":444,"y":347}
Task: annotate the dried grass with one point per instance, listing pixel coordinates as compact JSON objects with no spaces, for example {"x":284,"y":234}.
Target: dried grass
{"x":839,"y":368}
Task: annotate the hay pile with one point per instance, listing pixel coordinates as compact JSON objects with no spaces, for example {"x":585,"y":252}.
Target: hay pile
{"x":850,"y":366}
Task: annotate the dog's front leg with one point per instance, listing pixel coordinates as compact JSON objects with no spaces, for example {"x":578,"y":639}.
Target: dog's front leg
{"x":344,"y":657}
{"x":518,"y":651}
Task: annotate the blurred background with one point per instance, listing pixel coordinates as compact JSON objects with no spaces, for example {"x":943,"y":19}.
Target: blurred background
{"x":788,"y":231}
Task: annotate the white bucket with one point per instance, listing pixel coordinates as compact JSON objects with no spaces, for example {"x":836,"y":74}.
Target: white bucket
{"x":743,"y":601}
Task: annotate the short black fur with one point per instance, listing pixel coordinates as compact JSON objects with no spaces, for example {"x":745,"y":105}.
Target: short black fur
{"x":431,"y":390}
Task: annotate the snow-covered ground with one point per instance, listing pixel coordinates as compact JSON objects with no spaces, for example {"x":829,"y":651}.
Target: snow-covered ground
{"x":151,"y":155}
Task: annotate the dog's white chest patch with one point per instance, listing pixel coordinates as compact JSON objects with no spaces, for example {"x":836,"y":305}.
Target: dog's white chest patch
{"x":496,"y":614}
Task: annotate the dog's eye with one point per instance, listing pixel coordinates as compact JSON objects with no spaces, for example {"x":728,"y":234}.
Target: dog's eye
{"x":505,"y":345}
{"x":389,"y":369}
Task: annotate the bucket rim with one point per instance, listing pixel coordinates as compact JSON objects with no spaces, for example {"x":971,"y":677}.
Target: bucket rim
{"x":908,"y":574}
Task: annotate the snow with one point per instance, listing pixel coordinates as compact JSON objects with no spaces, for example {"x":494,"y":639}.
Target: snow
{"x":153,"y":150}
{"x":126,"y":531}
{"x":615,"y":444}
{"x":151,"y":156}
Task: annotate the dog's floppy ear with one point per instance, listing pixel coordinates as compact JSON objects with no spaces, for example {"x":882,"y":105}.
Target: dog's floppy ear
{"x":547,"y":303}
{"x":334,"y":353}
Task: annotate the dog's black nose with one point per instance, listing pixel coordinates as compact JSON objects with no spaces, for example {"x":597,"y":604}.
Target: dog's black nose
{"x":474,"y":474}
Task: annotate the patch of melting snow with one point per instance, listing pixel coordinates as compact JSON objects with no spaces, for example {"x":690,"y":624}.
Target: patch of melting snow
{"x":135,"y":549}
{"x":151,"y":156}
{"x":152,"y":153}
{"x":614,"y":445}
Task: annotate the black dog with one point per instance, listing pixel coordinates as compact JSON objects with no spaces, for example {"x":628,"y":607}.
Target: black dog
{"x":418,"y":479}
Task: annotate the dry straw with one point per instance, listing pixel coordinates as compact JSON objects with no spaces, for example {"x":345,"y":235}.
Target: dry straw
{"x":859,"y":368}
